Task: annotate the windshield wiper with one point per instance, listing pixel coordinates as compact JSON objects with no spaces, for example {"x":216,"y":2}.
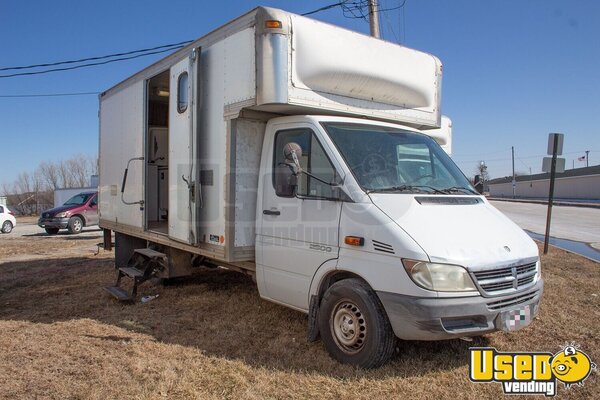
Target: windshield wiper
{"x":458,"y":189}
{"x":406,"y":188}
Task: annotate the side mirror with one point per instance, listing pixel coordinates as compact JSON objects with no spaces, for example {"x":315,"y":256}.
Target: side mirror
{"x":286,"y":181}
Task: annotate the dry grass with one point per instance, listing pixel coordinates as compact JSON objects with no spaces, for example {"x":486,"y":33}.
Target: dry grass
{"x":211,"y":336}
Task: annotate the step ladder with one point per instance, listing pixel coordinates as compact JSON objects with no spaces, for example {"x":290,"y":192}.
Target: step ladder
{"x":142,"y":265}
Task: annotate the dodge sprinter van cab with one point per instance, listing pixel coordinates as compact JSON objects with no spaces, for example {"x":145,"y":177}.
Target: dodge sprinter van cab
{"x":317,"y":161}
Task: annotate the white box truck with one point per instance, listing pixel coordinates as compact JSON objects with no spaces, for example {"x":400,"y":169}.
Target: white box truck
{"x":312,"y":158}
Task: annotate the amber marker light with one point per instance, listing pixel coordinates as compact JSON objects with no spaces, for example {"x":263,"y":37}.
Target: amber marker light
{"x":354,"y":241}
{"x":273,"y":24}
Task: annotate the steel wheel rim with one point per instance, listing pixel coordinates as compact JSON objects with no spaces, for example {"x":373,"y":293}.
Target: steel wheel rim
{"x":7,"y":227}
{"x":77,"y":225}
{"x":348,"y":326}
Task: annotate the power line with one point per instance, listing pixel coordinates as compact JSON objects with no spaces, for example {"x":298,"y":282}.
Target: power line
{"x":89,"y":64}
{"x":324,"y":8}
{"x":357,"y":9}
{"x":389,"y":24}
{"x":95,"y":58}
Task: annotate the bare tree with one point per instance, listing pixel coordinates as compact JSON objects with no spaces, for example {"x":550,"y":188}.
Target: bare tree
{"x":50,"y":175}
{"x":482,"y":171}
{"x":66,"y":176}
{"x":32,"y":192}
{"x":77,"y":166}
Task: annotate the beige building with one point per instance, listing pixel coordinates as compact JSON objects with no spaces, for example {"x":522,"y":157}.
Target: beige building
{"x":578,"y":183}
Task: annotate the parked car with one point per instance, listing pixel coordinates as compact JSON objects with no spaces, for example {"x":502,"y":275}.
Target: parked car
{"x":79,"y":211}
{"x":7,"y":220}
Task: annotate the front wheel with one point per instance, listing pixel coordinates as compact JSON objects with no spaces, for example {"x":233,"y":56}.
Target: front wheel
{"x":354,"y":326}
{"x":7,"y":227}
{"x":75,"y":225}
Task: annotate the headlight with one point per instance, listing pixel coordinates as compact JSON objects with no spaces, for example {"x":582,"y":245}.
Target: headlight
{"x":61,"y":215}
{"x":439,"y":277}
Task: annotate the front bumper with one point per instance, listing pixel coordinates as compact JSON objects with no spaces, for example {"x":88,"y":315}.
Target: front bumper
{"x":418,"y":318}
{"x":60,"y":223}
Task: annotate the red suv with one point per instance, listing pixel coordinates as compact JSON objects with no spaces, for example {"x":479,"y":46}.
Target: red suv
{"x":79,"y":211}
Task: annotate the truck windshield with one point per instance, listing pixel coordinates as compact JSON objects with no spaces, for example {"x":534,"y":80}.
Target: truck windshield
{"x":385,"y":159}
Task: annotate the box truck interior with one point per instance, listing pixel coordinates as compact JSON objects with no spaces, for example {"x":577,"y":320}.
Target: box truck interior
{"x":157,"y":152}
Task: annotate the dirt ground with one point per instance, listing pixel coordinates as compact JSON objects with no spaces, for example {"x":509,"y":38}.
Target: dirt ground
{"x":211,"y":336}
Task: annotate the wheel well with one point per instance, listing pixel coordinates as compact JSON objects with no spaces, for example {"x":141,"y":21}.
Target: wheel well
{"x":334,"y":277}
{"x":80,"y":217}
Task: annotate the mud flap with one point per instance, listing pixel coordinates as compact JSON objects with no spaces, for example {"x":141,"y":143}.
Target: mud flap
{"x":313,"y":324}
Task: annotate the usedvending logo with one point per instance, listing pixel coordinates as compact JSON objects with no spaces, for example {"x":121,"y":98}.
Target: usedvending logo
{"x":532,"y":372}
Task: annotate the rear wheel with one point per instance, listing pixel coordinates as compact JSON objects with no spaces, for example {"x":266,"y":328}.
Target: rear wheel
{"x":7,"y":227}
{"x":354,"y":326}
{"x":75,"y":225}
{"x":51,"y":231}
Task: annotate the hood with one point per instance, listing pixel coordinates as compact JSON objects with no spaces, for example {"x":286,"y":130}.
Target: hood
{"x":463,"y":230}
{"x":59,"y":209}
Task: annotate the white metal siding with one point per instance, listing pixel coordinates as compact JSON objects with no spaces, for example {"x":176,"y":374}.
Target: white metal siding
{"x":121,"y":138}
{"x":248,"y":146}
{"x":240,"y":71}
{"x":574,"y":187}
{"x":227,"y":70}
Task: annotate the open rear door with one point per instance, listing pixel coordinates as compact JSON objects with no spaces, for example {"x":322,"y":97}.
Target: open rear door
{"x":183,"y":182}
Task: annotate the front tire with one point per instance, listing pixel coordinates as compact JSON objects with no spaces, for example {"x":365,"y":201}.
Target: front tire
{"x":75,"y":225}
{"x":354,"y":326}
{"x":7,"y":227}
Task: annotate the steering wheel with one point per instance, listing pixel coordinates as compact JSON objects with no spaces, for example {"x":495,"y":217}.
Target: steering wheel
{"x":373,"y":164}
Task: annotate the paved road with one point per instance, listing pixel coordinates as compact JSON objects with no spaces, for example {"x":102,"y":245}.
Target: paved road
{"x":573,"y":223}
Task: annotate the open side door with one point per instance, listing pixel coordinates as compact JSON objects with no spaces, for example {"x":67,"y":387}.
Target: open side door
{"x":183,"y":183}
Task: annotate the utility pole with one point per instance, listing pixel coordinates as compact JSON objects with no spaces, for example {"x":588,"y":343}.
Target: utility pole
{"x":374,"y":18}
{"x":587,"y":158}
{"x":514,"y":182}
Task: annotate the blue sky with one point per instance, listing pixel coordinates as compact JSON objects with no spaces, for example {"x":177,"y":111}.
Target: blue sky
{"x":513,"y":70}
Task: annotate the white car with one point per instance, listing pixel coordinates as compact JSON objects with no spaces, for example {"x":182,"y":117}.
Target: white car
{"x":7,"y":220}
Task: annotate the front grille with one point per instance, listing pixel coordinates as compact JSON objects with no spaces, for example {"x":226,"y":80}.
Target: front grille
{"x":512,"y":301}
{"x":506,"y":279}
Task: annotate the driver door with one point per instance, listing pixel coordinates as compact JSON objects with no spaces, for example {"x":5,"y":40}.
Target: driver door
{"x":297,"y":234}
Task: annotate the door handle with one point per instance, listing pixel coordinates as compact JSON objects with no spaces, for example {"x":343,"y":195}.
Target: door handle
{"x":271,"y":212}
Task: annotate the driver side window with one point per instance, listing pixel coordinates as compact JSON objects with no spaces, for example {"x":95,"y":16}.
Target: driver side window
{"x":314,"y":160}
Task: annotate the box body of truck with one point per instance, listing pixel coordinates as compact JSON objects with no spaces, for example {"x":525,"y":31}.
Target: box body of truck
{"x":194,"y":179}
